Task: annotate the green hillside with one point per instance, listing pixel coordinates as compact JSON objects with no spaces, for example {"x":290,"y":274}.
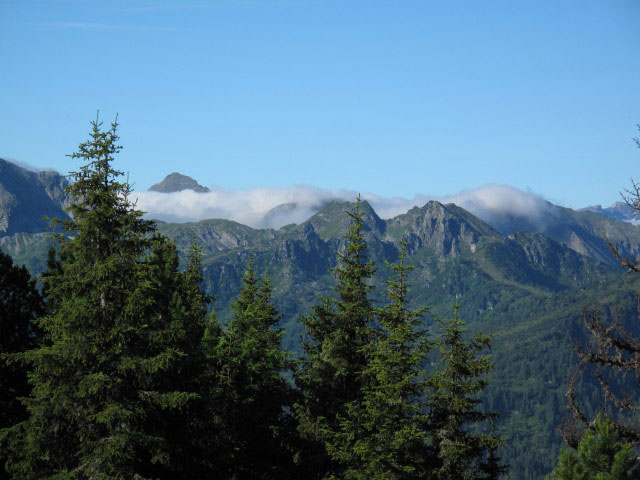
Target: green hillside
{"x":525,"y":288}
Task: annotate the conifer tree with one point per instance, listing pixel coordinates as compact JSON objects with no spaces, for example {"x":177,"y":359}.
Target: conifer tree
{"x":20,"y":306}
{"x":383,"y":436}
{"x":455,"y":386}
{"x":182,"y":305}
{"x":255,"y":396}
{"x":332,"y":375}
{"x":601,"y":455}
{"x":121,"y":342}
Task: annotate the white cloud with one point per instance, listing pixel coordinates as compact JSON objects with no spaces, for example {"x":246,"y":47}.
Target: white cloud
{"x":244,"y":206}
{"x":497,"y":204}
{"x":254,"y":207}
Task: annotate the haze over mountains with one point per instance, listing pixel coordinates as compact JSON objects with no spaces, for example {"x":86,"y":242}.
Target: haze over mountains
{"x":276,"y":207}
{"x":619,"y":211}
{"x":505,"y":208}
{"x":26,"y":196}
{"x":520,"y":266}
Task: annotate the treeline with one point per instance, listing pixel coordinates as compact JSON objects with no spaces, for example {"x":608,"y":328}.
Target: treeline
{"x":113,"y":369}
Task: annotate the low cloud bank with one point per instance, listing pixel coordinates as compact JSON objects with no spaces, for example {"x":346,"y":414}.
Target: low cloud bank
{"x":27,"y":166}
{"x":250,"y":207}
{"x":275,"y":207}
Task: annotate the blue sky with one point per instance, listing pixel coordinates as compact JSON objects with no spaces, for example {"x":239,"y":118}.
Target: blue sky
{"x":394,"y":97}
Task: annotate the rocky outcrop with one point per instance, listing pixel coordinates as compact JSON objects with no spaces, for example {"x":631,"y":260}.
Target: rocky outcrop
{"x":26,"y":197}
{"x":176,"y":182}
{"x":445,"y":229}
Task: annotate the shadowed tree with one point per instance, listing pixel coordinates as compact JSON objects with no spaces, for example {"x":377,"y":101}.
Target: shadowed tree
{"x":256,"y":398}
{"x":331,"y":377}
{"x":453,"y":400}
{"x":382,"y":437}
{"x":117,"y":372}
{"x":20,"y":306}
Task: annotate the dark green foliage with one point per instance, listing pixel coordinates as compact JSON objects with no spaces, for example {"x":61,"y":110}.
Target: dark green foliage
{"x":382,"y":436}
{"x":534,"y":326}
{"x":525,"y":289}
{"x":255,"y":398}
{"x":364,"y":389}
{"x":601,"y":455}
{"x":535,"y":321}
{"x":186,"y":424}
{"x":20,"y":305}
{"x":533,"y":364}
{"x":460,"y":378}
{"x":117,"y":373}
{"x":612,"y":357}
{"x":331,"y":376}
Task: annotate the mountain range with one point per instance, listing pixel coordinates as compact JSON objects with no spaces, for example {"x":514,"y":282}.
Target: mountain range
{"x":619,"y":211}
{"x":523,"y":278}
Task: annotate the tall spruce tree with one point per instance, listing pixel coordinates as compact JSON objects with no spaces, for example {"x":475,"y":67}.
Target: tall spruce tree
{"x":255,"y":397}
{"x":454,"y":388}
{"x":182,"y":305}
{"x":121,"y":344}
{"x":331,"y":377}
{"x":383,"y":436}
{"x":20,"y":306}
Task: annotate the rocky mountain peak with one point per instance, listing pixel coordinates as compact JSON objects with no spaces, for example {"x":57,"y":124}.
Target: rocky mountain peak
{"x":176,"y":182}
{"x":442,"y":228}
{"x":618,"y":211}
{"x":331,"y":220}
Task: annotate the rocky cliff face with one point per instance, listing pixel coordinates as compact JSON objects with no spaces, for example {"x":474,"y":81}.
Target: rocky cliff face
{"x":26,"y":197}
{"x":444,"y":229}
{"x":453,"y":252}
{"x":214,"y":235}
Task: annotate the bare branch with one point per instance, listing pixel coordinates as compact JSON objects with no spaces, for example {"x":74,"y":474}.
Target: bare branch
{"x":572,"y":404}
{"x":614,"y":351}
{"x":624,"y":403}
{"x":631,"y":264}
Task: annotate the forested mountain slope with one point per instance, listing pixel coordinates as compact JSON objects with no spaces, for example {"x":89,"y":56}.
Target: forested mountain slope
{"x":522,"y":281}
{"x":525,"y":288}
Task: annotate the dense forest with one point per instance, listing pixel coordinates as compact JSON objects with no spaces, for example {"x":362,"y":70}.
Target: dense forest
{"x":115,"y":365}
